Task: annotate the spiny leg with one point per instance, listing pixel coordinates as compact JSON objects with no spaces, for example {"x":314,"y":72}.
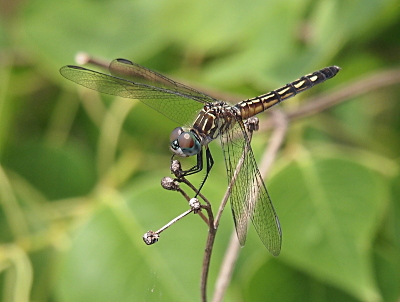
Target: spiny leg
{"x":210,"y":164}
{"x":179,"y":173}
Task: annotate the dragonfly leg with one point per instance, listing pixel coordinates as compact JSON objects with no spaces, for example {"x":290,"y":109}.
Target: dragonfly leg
{"x":197,"y":168}
{"x":210,"y":163}
{"x":193,"y":170}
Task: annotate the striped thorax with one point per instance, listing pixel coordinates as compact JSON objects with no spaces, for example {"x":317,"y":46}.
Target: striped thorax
{"x":214,"y":119}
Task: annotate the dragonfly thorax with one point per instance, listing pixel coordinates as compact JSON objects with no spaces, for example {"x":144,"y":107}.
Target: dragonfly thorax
{"x":214,"y":119}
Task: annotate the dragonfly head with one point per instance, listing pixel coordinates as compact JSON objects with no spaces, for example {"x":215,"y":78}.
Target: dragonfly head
{"x":184,"y":143}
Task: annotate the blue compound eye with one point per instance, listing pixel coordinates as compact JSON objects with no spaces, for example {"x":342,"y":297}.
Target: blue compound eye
{"x":188,"y":143}
{"x":184,"y":143}
{"x":186,"y":140}
{"x":175,"y":134}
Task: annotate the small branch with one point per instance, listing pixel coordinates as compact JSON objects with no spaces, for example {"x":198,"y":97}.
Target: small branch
{"x":190,"y":185}
{"x":83,"y":58}
{"x":171,"y":184}
{"x":152,"y":237}
{"x":281,"y":122}
{"x":212,"y":231}
{"x":207,"y":207}
{"x":226,"y":270}
{"x":210,"y":239}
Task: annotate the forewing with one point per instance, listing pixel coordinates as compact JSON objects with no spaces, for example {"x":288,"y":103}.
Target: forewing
{"x":174,"y":104}
{"x":134,"y":72}
{"x":248,"y":195}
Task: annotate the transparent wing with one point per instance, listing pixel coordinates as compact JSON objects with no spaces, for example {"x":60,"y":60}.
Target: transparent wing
{"x":136,"y":73}
{"x":174,"y":100}
{"x":248,"y":195}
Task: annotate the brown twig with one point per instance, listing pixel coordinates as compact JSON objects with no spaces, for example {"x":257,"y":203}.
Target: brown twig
{"x":226,"y":269}
{"x":212,"y":230}
{"x":277,"y":137}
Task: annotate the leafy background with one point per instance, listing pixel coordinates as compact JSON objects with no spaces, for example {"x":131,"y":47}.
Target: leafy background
{"x":80,"y":172}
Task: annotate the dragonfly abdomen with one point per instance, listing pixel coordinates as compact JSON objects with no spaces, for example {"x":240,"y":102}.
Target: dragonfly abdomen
{"x":253,"y":106}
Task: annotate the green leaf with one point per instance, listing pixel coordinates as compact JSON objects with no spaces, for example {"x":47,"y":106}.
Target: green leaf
{"x":330,"y":210}
{"x":59,"y":172}
{"x":275,"y":281}
{"x":110,"y":262}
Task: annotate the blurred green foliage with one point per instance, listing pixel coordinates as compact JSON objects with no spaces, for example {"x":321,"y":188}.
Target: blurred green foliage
{"x":79,"y":174}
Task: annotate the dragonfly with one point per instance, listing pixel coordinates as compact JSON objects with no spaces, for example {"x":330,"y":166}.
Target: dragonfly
{"x":208,"y":118}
